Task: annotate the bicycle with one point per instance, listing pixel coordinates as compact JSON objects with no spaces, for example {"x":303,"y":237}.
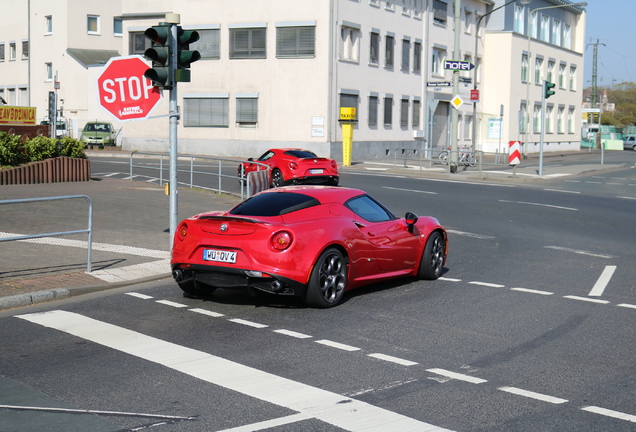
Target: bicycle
{"x":466,"y":157}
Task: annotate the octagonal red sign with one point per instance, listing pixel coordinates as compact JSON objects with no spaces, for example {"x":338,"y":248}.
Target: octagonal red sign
{"x":123,"y":90}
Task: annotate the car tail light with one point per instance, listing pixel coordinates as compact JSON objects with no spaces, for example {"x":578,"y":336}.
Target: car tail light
{"x":293,"y":165}
{"x":182,"y":231}
{"x":334,"y":164}
{"x":281,"y":240}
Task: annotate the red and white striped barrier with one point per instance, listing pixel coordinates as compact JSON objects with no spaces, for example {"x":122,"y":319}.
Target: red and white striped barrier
{"x":514,"y":153}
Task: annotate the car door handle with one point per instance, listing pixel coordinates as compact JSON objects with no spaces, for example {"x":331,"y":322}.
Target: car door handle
{"x":359,"y":225}
{"x":371,"y":234}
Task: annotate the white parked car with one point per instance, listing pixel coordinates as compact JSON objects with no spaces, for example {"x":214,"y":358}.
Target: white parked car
{"x":629,"y":143}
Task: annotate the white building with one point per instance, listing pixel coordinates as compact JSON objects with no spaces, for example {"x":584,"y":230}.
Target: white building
{"x":276,"y":73}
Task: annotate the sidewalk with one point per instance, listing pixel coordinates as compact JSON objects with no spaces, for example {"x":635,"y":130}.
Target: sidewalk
{"x":131,"y":225}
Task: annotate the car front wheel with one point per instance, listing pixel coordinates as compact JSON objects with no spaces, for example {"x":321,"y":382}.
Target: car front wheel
{"x":433,"y":257}
{"x":277,"y":178}
{"x":328,"y":280}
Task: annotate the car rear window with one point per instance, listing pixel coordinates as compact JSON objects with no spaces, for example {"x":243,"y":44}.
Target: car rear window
{"x":300,"y":154}
{"x":274,"y":204}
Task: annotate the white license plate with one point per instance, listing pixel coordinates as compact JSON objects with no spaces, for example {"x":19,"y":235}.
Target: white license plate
{"x":220,"y":256}
{"x":316,"y":171}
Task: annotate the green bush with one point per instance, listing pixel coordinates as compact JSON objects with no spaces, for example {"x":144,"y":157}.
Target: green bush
{"x":14,"y":152}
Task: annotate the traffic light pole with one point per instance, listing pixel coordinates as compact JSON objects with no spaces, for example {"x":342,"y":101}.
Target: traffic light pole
{"x":174,"y":117}
{"x":543,"y":107}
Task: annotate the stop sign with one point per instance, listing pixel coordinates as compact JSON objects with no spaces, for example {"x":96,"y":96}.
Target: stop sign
{"x":124,"y":91}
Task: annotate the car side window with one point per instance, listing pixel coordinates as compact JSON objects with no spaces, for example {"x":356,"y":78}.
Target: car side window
{"x":369,"y":209}
{"x":266,"y":156}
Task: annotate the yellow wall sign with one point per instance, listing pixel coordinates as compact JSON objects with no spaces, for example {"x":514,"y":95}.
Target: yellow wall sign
{"x":12,"y":115}
{"x":347,"y":113}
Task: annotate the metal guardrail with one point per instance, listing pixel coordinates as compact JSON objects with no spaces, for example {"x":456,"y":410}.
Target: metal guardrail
{"x":89,"y":230}
{"x":251,"y":185}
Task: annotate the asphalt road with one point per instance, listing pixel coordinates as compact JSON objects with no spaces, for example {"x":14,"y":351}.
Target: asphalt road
{"x":531,"y":328}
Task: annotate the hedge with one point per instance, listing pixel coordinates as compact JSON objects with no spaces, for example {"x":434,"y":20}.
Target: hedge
{"x":14,"y":152}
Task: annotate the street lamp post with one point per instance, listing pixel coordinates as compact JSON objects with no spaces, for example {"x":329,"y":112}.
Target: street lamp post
{"x":532,"y":12}
{"x":476,"y":62}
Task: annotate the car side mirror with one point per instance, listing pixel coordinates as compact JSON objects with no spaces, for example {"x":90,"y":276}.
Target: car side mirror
{"x":250,"y":159}
{"x":411,"y":218}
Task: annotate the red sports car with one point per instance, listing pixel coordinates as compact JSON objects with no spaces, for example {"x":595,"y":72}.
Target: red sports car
{"x":315,"y":242}
{"x":295,"y":166}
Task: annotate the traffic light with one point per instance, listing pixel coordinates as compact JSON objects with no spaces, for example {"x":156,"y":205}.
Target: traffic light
{"x":159,"y":53}
{"x":185,"y":56}
{"x":547,"y":89}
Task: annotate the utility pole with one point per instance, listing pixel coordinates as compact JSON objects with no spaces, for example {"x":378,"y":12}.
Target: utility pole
{"x":452,"y":163}
{"x":595,"y":72}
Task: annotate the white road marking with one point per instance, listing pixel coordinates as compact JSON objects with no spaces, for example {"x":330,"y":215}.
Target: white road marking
{"x":393,"y":359}
{"x":467,"y":234}
{"x":337,"y":345}
{"x":602,"y":281}
{"x":206,"y":312}
{"x":254,"y":427}
{"x":104,"y":247}
{"x":139,"y":295}
{"x":487,"y":284}
{"x":457,"y":376}
{"x":532,"y":291}
{"x":248,"y":323}
{"x":626,"y":197}
{"x":580,"y":252}
{"x":335,"y":409}
{"x":469,"y":182}
{"x":540,"y":205}
{"x":449,"y":279}
{"x":586,"y":299}
{"x":561,"y":190}
{"x":386,"y":387}
{"x":171,"y":303}
{"x":533,"y":395}
{"x":292,"y":334}
{"x":627,"y":305}
{"x":610,"y":413}
{"x":410,"y":190}
{"x":81,"y":411}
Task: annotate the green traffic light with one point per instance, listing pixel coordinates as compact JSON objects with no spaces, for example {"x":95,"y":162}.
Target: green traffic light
{"x":548,"y":86}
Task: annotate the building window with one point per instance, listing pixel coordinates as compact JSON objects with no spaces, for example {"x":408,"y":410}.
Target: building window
{"x":573,"y":78}
{"x":248,"y":43}
{"x":92,"y":24}
{"x":536,"y":119}
{"x":48,"y":71}
{"x":524,"y":67}
{"x":247,"y":110}
{"x":440,"y":13}
{"x":349,"y":43}
{"x":389,"y":44}
{"x":206,"y":111}
{"x":1,"y":52}
{"x":519,"y":24}
{"x":567,"y":37}
{"x":545,"y":28}
{"x":523,"y":117}
{"x":417,"y":57}
{"x":294,"y":42}
{"x":538,"y":70}
{"x":373,"y":110}
{"x":549,"y":122}
{"x":571,"y":120}
{"x":468,"y":21}
{"x":556,"y":32}
{"x":48,"y":25}
{"x":417,"y":107}
{"x":467,"y":74}
{"x":436,"y":63}
{"x":550,"y":76}
{"x":560,"y":120}
{"x":138,"y":43}
{"x":349,"y":100}
{"x":562,"y":76}
{"x":209,"y":44}
{"x":406,"y":54}
{"x":25,"y":49}
{"x":405,"y":8}
{"x":417,"y":9}
{"x":404,"y":113}
{"x":374,"y":48}
{"x":388,"y":110}
{"x":468,"y":127}
{"x":534,"y":25}
{"x":118,"y":27}
{"x":12,"y":51}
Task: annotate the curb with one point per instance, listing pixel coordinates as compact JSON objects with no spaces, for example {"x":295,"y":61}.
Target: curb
{"x":47,"y":296}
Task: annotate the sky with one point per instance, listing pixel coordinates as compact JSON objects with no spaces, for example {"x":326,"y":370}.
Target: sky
{"x":612,"y":23}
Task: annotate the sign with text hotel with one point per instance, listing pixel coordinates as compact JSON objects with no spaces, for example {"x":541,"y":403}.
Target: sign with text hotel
{"x":12,"y":115}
